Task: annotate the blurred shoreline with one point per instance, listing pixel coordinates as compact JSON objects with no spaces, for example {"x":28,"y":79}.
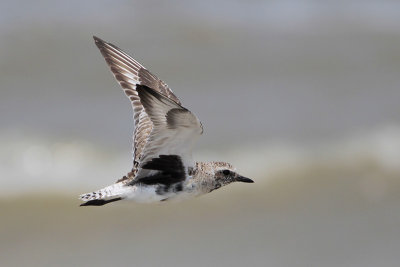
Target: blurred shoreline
{"x":36,"y":164}
{"x":342,"y":210}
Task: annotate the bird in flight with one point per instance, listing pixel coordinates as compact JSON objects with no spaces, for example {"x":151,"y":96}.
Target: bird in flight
{"x":164,"y":135}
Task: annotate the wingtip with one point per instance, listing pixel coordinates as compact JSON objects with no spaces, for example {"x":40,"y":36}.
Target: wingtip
{"x":96,"y":39}
{"x":99,"y":42}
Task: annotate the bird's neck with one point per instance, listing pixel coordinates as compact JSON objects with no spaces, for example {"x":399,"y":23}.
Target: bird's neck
{"x":202,"y":179}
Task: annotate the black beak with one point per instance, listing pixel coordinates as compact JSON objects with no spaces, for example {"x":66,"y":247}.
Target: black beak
{"x":244,"y":179}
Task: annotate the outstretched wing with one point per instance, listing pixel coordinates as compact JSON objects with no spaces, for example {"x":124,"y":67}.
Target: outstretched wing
{"x":130,"y":74}
{"x":175,"y":130}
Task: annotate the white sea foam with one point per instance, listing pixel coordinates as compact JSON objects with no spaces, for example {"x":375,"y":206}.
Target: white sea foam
{"x":32,"y":164}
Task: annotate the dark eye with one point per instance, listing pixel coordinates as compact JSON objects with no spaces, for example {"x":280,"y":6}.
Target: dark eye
{"x":226,"y":172}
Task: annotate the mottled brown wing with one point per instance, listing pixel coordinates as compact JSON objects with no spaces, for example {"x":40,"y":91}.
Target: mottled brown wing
{"x":130,"y":73}
{"x":175,"y":131}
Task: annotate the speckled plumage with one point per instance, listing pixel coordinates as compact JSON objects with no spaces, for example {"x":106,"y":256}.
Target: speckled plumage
{"x":164,"y":135}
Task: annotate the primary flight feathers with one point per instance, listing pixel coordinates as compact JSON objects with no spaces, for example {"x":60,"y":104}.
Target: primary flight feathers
{"x":151,"y":100}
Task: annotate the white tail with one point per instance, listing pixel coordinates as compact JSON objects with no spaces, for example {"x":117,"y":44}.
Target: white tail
{"x":111,"y":191}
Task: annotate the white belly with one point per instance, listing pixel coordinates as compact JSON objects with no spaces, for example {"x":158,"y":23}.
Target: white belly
{"x":148,"y":194}
{"x":143,"y":194}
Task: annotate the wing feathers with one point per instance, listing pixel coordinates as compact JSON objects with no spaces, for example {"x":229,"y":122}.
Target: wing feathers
{"x":175,"y":129}
{"x":155,"y":104}
{"x":129,"y":73}
{"x":164,"y":111}
{"x":162,"y":125}
{"x":177,"y":118}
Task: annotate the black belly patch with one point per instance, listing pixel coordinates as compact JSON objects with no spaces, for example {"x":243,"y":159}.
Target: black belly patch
{"x":170,"y":171}
{"x":167,"y":189}
{"x":178,"y":187}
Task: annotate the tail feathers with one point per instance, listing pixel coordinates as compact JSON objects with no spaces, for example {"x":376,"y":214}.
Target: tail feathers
{"x":103,"y":196}
{"x":99,"y":202}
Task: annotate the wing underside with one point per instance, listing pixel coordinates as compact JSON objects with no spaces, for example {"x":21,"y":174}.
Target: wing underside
{"x":162,"y":125}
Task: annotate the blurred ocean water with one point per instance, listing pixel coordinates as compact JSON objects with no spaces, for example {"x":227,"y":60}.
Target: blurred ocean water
{"x":301,"y":96}
{"x":325,"y":209}
{"x":36,"y":164}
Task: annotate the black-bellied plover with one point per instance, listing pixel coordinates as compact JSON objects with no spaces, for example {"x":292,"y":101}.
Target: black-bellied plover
{"x":165,"y":133}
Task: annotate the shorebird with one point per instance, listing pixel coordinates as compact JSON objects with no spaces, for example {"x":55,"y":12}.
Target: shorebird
{"x":164,"y":135}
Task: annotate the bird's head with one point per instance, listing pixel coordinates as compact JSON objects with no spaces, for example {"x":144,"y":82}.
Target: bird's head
{"x":225,"y":173}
